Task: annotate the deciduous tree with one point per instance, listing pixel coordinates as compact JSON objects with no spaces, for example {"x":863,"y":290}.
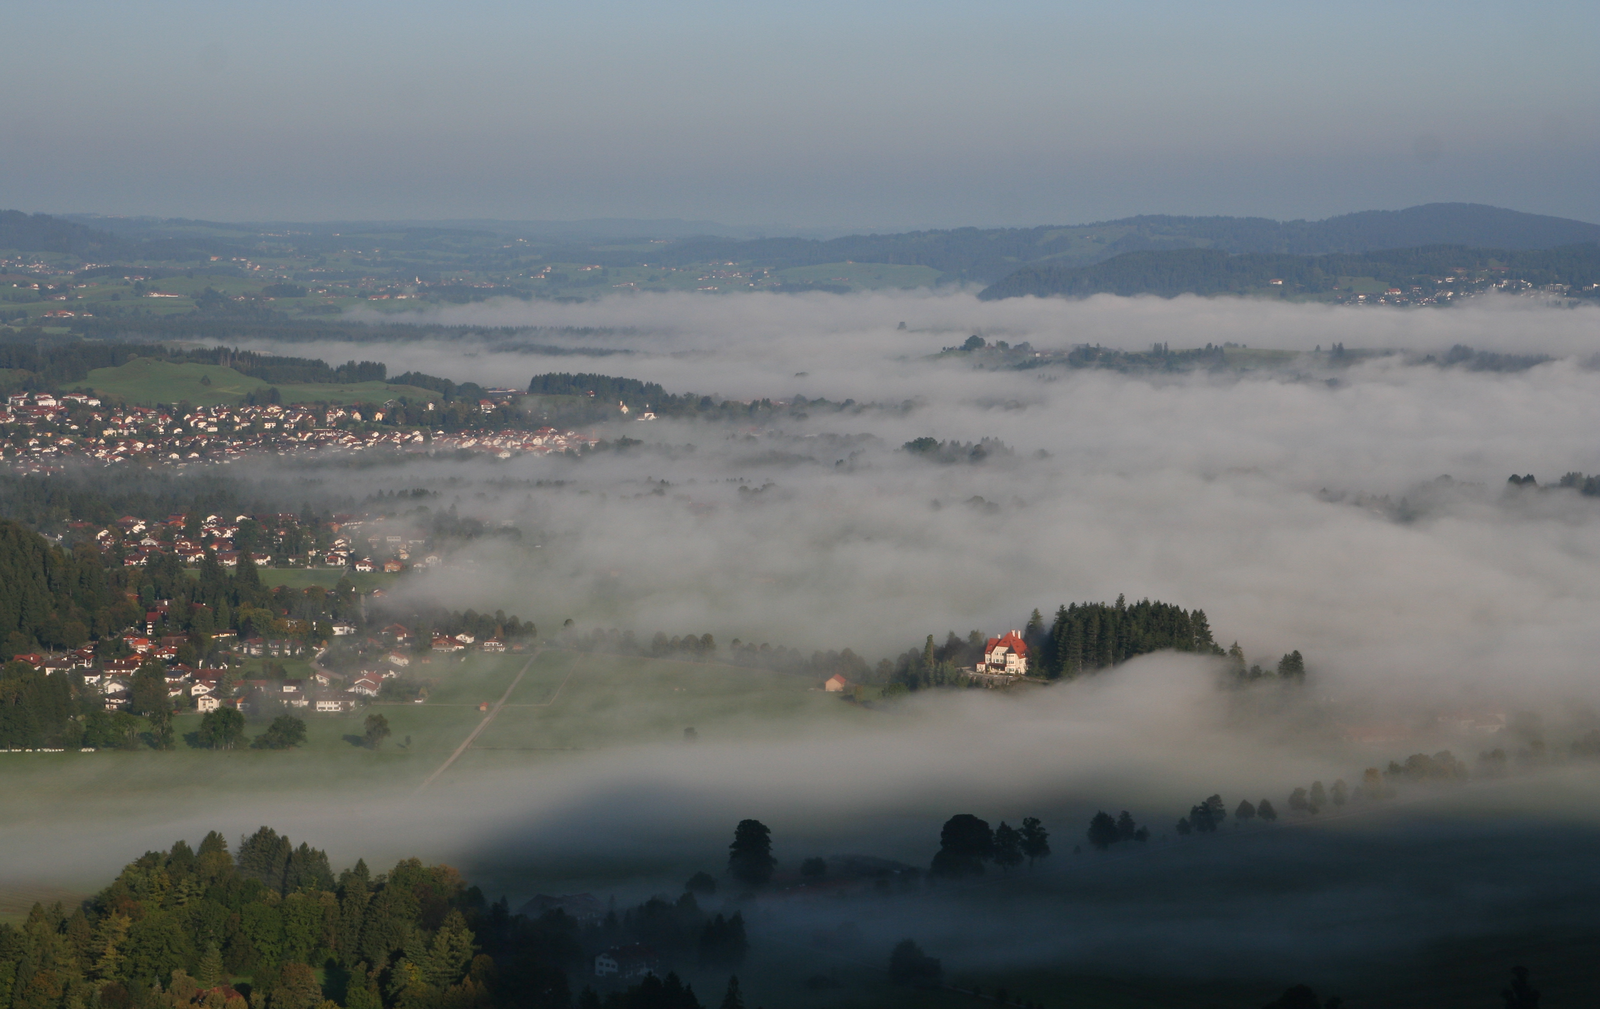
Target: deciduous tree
{"x":376,"y":731}
{"x":1035,"y":839}
{"x":750,"y":855}
{"x":222,"y":729}
{"x":964,"y":843}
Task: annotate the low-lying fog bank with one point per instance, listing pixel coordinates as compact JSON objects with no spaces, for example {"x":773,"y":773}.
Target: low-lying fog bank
{"x":1300,"y":506}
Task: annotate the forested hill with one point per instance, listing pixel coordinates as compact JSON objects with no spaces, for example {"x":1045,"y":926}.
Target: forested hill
{"x":1214,"y":271}
{"x":991,"y":253}
{"x":43,"y":233}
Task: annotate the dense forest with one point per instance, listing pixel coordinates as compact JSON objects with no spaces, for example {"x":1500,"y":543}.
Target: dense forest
{"x":272,"y":927}
{"x":53,"y":596}
{"x":1215,"y":271}
{"x":189,"y":925}
{"x":1089,"y":636}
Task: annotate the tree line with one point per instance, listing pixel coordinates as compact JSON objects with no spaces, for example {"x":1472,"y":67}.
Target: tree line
{"x":52,"y":361}
{"x":1088,"y":636}
{"x":184,"y":926}
{"x":1171,"y":272}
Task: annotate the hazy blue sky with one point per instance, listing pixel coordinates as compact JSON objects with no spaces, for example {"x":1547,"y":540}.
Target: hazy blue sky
{"x":820,"y":114}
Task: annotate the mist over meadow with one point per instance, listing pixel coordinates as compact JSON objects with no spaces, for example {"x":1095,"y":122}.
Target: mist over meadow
{"x":1301,"y":506}
{"x":1357,"y":512}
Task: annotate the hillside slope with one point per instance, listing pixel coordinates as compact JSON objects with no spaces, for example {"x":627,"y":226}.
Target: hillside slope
{"x":43,"y":233}
{"x":1215,"y":271}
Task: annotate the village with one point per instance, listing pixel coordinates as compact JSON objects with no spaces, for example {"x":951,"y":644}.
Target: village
{"x":390,"y":658}
{"x":40,"y":432}
{"x":307,"y":646}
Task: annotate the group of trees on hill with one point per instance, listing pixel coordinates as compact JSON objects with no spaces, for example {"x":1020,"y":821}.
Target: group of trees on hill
{"x":966,"y":843}
{"x":1104,"y":830}
{"x":178,"y":927}
{"x":1089,"y":636}
{"x":948,"y":452}
{"x":601,"y":396}
{"x":1290,"y":669}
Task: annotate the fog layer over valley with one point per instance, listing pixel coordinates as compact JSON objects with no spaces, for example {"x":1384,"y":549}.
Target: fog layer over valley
{"x":1297,"y":503}
{"x":1352,"y":507}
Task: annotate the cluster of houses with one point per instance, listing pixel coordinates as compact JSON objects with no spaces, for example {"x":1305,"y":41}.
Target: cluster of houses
{"x":344,"y":543}
{"x":50,"y":428}
{"x":211,"y":686}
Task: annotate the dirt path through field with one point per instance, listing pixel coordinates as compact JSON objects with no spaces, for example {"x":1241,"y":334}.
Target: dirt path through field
{"x":495,"y":710}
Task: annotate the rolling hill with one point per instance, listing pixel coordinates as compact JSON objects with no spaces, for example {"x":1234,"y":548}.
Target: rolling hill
{"x":1216,"y":271}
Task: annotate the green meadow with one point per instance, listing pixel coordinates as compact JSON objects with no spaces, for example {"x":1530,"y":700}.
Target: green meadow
{"x":146,"y":381}
{"x":565,"y":701}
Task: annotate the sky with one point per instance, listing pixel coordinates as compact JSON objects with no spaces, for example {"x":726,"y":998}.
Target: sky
{"x":821,"y":115}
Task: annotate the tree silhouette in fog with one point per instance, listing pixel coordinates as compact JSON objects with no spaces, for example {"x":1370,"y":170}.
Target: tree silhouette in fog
{"x":964,"y":843}
{"x":1007,"y":846}
{"x":909,"y":965}
{"x":1102,"y":831}
{"x":750,"y":855}
{"x":1521,"y":995}
{"x":1035,"y":839}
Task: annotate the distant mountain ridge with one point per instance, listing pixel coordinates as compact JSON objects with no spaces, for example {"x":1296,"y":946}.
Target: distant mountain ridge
{"x":959,"y":255}
{"x":987,"y":254}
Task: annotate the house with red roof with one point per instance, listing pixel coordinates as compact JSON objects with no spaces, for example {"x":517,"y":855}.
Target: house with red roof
{"x":1005,"y":656}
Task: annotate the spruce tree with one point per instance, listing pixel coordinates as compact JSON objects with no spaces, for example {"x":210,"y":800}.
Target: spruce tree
{"x":209,"y":972}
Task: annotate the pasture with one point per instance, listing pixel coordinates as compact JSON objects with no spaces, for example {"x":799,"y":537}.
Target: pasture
{"x":147,"y":382}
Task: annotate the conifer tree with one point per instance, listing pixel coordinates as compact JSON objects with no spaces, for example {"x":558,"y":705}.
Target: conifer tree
{"x":209,"y":972}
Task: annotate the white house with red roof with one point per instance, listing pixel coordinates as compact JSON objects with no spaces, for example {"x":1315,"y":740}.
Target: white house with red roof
{"x":1005,"y":656}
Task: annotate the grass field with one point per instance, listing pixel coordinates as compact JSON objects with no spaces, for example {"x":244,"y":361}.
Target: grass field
{"x":606,"y":701}
{"x":148,"y":382}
